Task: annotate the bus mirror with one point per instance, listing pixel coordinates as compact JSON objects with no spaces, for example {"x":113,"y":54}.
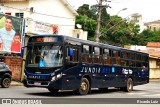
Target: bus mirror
{"x":21,"y":53}
{"x":71,"y":52}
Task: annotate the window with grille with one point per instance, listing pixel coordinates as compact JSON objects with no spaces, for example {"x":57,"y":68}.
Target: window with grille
{"x":97,"y":57}
{"x":116,"y":57}
{"x":86,"y":56}
{"x":20,"y":15}
{"x":107,"y":57}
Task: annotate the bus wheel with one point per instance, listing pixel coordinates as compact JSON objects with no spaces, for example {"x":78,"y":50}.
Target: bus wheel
{"x":103,"y":89}
{"x":84,"y":87}
{"x":129,"y":87}
{"x":53,"y":91}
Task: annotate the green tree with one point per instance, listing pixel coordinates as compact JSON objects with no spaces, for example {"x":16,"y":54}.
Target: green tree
{"x":84,"y":10}
{"x":151,"y":35}
{"x":114,"y":30}
{"x":120,"y":32}
{"x":88,"y":19}
{"x":88,"y":24}
{"x":104,"y":17}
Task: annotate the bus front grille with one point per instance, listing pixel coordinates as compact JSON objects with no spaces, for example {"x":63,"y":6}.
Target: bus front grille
{"x":40,"y":71}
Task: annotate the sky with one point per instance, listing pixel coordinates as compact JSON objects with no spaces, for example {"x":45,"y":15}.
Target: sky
{"x":149,"y":9}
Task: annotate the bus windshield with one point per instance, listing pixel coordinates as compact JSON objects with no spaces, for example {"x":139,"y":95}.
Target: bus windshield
{"x":44,"y":56}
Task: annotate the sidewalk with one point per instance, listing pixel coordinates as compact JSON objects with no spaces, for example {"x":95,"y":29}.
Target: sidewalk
{"x":154,"y":79}
{"x":16,"y":83}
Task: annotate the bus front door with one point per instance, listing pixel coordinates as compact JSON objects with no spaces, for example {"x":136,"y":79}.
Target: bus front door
{"x":72,"y":67}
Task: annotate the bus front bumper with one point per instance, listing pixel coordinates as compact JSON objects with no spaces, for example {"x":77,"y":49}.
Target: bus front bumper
{"x":43,"y":84}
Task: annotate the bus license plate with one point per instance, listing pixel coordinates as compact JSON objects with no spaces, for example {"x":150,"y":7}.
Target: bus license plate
{"x":37,"y":83}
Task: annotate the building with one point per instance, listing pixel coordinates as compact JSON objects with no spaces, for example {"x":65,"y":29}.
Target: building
{"x":153,"y":48}
{"x":137,"y":19}
{"x":154,"y":25}
{"x":154,"y":67}
{"x":44,"y":16}
{"x":41,"y":17}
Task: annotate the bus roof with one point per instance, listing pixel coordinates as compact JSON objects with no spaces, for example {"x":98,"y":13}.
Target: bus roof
{"x":88,"y":42}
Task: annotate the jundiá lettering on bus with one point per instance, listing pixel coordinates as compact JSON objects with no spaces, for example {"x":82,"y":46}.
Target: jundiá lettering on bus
{"x":91,"y":70}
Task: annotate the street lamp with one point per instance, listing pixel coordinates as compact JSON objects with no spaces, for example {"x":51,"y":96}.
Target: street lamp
{"x":116,"y":24}
{"x":98,"y":28}
{"x":116,"y":14}
{"x":121,"y":10}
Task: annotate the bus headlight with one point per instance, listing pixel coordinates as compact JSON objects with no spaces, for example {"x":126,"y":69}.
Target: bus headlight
{"x":53,"y":78}
{"x":58,"y":76}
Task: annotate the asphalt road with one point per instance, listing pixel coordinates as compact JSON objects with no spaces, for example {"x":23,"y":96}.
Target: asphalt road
{"x":148,"y":91}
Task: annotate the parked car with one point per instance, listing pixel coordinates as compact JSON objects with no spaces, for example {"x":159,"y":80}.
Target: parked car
{"x":5,"y":75}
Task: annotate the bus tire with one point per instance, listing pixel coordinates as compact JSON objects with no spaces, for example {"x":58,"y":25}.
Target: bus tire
{"x":84,"y":87}
{"x":129,"y":87}
{"x":53,"y":91}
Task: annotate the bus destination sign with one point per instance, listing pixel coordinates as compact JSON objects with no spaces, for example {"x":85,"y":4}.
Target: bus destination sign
{"x":44,"y":39}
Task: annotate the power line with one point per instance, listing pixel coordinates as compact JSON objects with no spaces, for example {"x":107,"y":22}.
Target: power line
{"x":36,"y":12}
{"x":33,"y":20}
{"x":116,"y":24}
{"x":100,"y":7}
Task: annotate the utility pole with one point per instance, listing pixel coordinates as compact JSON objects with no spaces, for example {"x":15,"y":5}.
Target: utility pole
{"x":99,"y":20}
{"x":100,"y":7}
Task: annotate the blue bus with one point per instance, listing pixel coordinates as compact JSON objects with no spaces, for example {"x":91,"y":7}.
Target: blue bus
{"x":58,"y":62}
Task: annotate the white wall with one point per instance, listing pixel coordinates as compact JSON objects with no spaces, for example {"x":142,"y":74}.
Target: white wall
{"x":65,"y":19}
{"x":136,"y":47}
{"x":154,"y":69}
{"x":13,"y":7}
{"x":79,"y":32}
{"x":55,"y":13}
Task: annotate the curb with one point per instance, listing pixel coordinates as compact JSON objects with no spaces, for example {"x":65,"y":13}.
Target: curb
{"x":154,"y":79}
{"x":14,"y":83}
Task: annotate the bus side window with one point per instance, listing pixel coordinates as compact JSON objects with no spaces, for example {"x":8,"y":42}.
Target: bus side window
{"x":132,"y":56}
{"x":144,"y":66}
{"x":124,"y":59}
{"x":138,"y":57}
{"x":138,"y":64}
{"x":86,"y":54}
{"x":97,"y":57}
{"x":72,"y":54}
{"x":116,"y":57}
{"x":144,"y":58}
{"x":106,"y":55}
{"x":131,"y":63}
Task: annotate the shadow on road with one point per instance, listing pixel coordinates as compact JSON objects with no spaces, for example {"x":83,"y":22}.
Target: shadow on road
{"x":73,"y":93}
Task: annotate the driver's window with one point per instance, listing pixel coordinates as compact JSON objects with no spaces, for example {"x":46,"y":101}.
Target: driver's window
{"x":72,"y":53}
